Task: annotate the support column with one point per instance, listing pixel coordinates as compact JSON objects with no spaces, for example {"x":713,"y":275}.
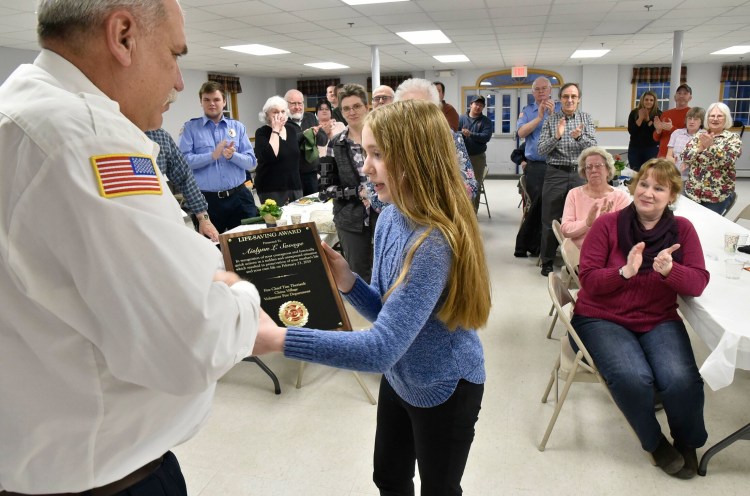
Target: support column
{"x":676,"y":63}
{"x":375,"y":66}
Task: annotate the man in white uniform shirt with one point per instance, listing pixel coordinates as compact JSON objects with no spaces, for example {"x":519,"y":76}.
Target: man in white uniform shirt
{"x":116,"y":321}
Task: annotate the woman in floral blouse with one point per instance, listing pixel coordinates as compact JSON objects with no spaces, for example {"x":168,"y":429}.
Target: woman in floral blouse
{"x":710,"y":157}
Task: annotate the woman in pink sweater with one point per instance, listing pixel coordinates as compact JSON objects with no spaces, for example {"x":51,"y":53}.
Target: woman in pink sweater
{"x":585,"y":203}
{"x":633,"y":265}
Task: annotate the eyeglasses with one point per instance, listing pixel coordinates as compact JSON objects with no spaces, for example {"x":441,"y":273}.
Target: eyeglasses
{"x":569,"y":97}
{"x":591,"y":167}
{"x":356,"y":107}
{"x":382,"y":98}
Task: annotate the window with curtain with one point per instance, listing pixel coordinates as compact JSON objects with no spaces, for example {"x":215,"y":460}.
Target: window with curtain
{"x":735,"y":91}
{"x":231,"y":88}
{"x":656,"y":79}
{"x":315,"y":89}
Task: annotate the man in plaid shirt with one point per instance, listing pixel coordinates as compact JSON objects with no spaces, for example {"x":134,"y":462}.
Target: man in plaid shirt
{"x":564,"y":136}
{"x":172,"y":164}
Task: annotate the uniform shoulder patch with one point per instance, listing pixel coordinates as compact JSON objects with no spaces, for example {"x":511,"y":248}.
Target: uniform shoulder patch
{"x":125,"y":174}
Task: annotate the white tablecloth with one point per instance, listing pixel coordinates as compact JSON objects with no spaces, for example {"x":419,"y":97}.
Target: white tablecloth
{"x":319,"y":212}
{"x":721,"y":315}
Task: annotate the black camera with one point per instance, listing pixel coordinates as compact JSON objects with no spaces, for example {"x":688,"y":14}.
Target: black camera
{"x":329,"y":185}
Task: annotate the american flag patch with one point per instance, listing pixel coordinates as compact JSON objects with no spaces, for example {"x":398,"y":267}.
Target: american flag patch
{"x":121,"y":175}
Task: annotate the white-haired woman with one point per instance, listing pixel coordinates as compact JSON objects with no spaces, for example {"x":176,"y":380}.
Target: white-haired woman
{"x":585,"y":203}
{"x":276,"y":148}
{"x":710,"y":158}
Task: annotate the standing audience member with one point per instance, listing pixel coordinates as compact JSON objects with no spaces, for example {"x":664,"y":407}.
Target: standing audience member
{"x":476,"y":129}
{"x":529,"y":127}
{"x":422,"y":89}
{"x":116,"y":324}
{"x":301,"y":120}
{"x":327,"y":127}
{"x":586,"y":203}
{"x":219,"y":153}
{"x":332,"y":92}
{"x":449,"y":111}
{"x":424,"y":339}
{"x":564,"y":136}
{"x":681,"y":137}
{"x":172,"y":164}
{"x":352,"y":215}
{"x":672,"y":119}
{"x":382,"y":95}
{"x":642,"y":146}
{"x":277,"y":176}
{"x":710,"y":157}
{"x":634,"y":263}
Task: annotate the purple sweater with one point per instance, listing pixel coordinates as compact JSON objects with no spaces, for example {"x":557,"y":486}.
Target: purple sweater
{"x":648,"y":298}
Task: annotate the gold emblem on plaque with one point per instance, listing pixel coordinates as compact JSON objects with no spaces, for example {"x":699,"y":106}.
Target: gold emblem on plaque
{"x":293,"y":313}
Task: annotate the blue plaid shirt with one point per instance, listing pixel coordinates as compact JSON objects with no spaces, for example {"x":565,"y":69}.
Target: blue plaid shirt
{"x":172,"y":164}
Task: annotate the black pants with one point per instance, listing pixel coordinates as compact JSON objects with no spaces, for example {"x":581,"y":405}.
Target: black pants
{"x":167,"y":480}
{"x":639,"y":155}
{"x":309,"y":182}
{"x":227,"y":213}
{"x":529,"y":235}
{"x":437,"y":438}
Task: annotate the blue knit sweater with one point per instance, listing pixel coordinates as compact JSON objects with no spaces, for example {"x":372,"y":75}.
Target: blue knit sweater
{"x":420,"y":358}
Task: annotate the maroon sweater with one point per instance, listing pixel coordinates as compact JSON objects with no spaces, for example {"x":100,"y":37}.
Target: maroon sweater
{"x":646,"y":299}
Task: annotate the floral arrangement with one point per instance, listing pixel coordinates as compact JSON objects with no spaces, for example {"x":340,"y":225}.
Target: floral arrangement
{"x":619,"y":165}
{"x":270,"y":208}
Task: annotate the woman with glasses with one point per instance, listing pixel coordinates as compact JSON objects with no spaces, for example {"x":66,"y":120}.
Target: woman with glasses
{"x":353,"y":214}
{"x":584,"y":204}
{"x":710,"y":157}
{"x":642,"y":146}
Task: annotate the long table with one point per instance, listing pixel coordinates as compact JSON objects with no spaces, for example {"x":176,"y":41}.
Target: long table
{"x":716,"y":315}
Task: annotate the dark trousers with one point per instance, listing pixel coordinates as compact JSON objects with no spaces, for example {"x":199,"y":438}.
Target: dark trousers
{"x":309,"y":182}
{"x":280,"y":197}
{"x":167,"y":480}
{"x":357,"y":250}
{"x":437,"y":438}
{"x":530,"y":233}
{"x":227,"y":213}
{"x":638,"y":155}
{"x":557,"y":183}
{"x":638,"y":364}
{"x":478,"y":163}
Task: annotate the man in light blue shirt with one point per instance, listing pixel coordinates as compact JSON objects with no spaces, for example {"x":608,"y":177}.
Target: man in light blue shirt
{"x":529,"y":128}
{"x":220,"y":155}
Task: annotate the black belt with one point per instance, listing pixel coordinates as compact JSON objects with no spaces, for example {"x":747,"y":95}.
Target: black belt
{"x":223,"y":194}
{"x":113,"y":487}
{"x":564,"y":168}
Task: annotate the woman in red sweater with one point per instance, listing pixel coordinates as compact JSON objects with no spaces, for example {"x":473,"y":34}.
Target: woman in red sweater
{"x":633,"y":265}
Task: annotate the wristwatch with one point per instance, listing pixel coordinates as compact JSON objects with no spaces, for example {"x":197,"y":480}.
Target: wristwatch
{"x":202,"y":217}
{"x":622,"y":273}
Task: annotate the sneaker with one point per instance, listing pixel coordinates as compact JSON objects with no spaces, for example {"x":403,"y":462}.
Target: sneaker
{"x":520,"y":254}
{"x":547,"y":268}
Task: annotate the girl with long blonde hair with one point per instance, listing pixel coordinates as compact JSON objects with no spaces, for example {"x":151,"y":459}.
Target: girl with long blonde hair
{"x":429,"y":293}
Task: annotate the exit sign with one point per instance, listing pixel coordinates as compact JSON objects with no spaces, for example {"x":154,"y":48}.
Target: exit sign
{"x":520,"y":71}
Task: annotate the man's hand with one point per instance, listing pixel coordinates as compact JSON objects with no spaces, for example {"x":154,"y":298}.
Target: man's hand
{"x":577,"y":132}
{"x":206,"y":228}
{"x":465,"y":131}
{"x":219,"y":150}
{"x":561,"y":128}
{"x":666,"y":124}
{"x":229,"y":150}
{"x":226,"y":277}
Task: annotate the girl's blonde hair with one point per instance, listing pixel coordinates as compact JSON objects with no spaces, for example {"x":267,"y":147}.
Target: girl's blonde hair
{"x":425,"y":185}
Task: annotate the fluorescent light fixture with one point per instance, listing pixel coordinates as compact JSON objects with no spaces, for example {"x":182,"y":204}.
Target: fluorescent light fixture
{"x":451,"y":58}
{"x":733,"y":50}
{"x":424,"y":37}
{"x":366,"y":2}
{"x":255,"y":49}
{"x":327,"y":65}
{"x":588,"y":54}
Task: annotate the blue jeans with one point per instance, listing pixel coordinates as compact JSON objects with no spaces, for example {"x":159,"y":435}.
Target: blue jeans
{"x":635,"y":364}
{"x":719,"y":207}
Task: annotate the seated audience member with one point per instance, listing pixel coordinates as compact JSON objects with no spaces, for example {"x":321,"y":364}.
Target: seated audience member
{"x":421,"y":89}
{"x":634,"y":263}
{"x":710,"y":157}
{"x":585,"y":203}
{"x":277,"y":176}
{"x":681,"y":137}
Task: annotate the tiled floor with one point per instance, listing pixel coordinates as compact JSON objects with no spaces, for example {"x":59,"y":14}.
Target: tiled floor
{"x":317,"y":440}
